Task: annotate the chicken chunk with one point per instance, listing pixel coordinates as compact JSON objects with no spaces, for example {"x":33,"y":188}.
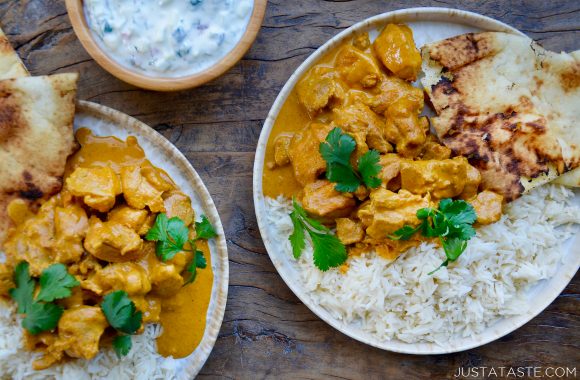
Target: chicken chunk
{"x":143,"y":187}
{"x":304,"y":152}
{"x":488,"y":207}
{"x":165,"y":277}
{"x":99,"y":186}
{"x":390,"y":169}
{"x":44,"y":341}
{"x":349,"y":231}
{"x":320,"y":85}
{"x":396,"y":49}
{"x":80,"y":329}
{"x":70,"y":227}
{"x":440,"y":178}
{"x":281,"y":146}
{"x":128,"y":217}
{"x":130,"y":277}
{"x":112,"y":241}
{"x":356,"y":67}
{"x":33,"y":240}
{"x":471,"y":183}
{"x":404,"y":129}
{"x":388,"y":211}
{"x":391,"y":90}
{"x":360,"y":118}
{"x":433,"y":150}
{"x":178,"y":204}
{"x":321,"y":199}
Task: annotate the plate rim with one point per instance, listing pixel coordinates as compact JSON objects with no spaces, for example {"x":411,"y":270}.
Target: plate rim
{"x":213,"y":325}
{"x":403,"y":15}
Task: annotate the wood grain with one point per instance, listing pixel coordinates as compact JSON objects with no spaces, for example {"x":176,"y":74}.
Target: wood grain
{"x":267,"y":333}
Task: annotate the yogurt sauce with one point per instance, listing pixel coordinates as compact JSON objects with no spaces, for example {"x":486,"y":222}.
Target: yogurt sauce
{"x":168,"y":38}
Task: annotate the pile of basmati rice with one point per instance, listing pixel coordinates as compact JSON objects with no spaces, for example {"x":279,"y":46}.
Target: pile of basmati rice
{"x":142,"y":362}
{"x":399,"y":300}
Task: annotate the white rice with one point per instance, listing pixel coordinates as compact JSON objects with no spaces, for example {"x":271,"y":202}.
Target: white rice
{"x":142,"y":362}
{"x":399,"y":300}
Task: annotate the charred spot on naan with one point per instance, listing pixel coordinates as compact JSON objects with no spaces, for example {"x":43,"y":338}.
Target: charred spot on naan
{"x":570,"y":77}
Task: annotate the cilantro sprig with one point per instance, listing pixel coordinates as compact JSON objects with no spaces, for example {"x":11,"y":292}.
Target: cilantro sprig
{"x":171,"y":236}
{"x":328,"y":250}
{"x":452,"y":223}
{"x":122,"y":315}
{"x":41,"y":314}
{"x":336,"y":151}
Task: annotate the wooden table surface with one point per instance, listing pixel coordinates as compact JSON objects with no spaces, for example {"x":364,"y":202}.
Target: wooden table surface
{"x":267,"y":332}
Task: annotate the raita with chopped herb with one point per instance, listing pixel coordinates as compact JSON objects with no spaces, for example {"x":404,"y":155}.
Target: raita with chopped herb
{"x":168,"y":38}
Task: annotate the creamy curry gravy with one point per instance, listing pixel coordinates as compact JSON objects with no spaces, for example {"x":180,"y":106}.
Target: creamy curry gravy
{"x":183,"y":316}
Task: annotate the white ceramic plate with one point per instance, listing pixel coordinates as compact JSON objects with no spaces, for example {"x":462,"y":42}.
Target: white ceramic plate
{"x":104,"y":121}
{"x":428,"y":24}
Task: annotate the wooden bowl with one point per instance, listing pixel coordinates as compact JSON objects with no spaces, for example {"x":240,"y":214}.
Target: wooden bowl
{"x":79,"y":23}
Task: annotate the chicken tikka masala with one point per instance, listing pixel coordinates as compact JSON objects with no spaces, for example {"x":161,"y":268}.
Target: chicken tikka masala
{"x":352,"y":149}
{"x":116,"y":248}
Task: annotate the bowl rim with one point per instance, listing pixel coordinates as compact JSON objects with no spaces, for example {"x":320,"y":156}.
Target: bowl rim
{"x":491,"y":333}
{"x":76,"y":15}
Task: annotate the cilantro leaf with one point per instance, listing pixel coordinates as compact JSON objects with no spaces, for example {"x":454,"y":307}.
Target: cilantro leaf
{"x":458,"y":212}
{"x":198,"y":261}
{"x":204,"y":229}
{"x":328,"y":249}
{"x":177,"y":231}
{"x":159,"y":230}
{"x":369,"y":168}
{"x":336,"y":151}
{"x":170,"y":235}
{"x":41,"y":317}
{"x":337,"y":147}
{"x":453,"y":248}
{"x":121,"y":312}
{"x":24,"y":291}
{"x":346,"y":179}
{"x":55,"y":283}
{"x":122,"y":345}
{"x":452,"y":222}
{"x":297,"y":238}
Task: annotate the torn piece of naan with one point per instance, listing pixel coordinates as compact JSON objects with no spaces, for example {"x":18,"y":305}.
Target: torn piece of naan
{"x":510,"y":106}
{"x":10,"y":64}
{"x":36,"y":137}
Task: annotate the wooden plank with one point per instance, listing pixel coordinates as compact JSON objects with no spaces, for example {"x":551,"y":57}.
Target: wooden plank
{"x":267,"y":331}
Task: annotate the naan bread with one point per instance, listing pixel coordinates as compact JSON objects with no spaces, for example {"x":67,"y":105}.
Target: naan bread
{"x":10,"y":64}
{"x":510,"y":106}
{"x":36,"y":137}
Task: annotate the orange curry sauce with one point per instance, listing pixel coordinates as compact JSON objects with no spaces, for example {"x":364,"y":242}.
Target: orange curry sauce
{"x":183,"y":316}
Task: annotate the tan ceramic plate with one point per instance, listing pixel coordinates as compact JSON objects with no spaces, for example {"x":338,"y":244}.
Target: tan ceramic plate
{"x":104,"y":121}
{"x":78,"y":21}
{"x":428,"y":24}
